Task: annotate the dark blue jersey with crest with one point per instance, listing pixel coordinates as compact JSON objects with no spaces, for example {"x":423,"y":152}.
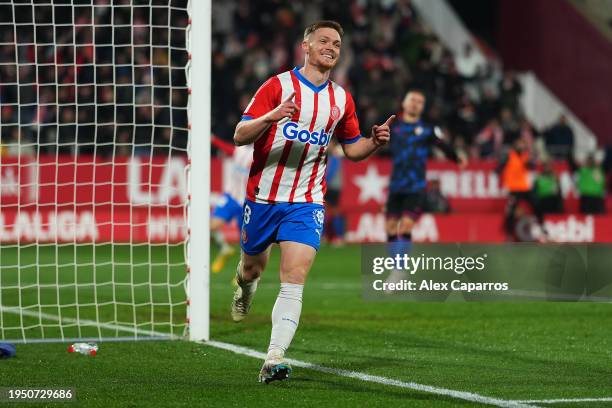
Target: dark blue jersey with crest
{"x":410,"y":147}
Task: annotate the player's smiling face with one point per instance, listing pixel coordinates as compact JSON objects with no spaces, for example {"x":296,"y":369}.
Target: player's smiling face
{"x":322,"y":47}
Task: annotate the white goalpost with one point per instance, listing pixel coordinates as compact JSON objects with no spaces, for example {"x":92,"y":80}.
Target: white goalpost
{"x":199,"y":45}
{"x":104,"y":170}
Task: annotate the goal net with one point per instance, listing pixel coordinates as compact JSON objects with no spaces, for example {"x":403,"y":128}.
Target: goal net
{"x":94,"y":157}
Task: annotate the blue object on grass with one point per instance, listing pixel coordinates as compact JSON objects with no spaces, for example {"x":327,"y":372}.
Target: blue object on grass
{"x":7,"y":350}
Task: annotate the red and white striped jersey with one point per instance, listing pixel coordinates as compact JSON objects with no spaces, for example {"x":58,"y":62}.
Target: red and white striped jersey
{"x":289,"y":161}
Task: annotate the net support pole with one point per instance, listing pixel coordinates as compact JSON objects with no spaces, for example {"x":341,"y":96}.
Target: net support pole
{"x":198,"y":251}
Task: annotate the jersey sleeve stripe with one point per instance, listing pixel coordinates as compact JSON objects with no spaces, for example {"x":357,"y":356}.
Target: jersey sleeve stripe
{"x":350,"y":107}
{"x":351,"y":140}
{"x":339,"y":99}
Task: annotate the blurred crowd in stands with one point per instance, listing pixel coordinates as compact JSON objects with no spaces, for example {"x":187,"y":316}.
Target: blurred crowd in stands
{"x":111,"y":80}
{"x":386,"y":50}
{"x":54,"y":99}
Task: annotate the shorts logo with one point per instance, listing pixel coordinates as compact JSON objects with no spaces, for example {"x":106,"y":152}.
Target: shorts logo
{"x":318,"y":216}
{"x":292,"y":131}
{"x":245,"y":237}
{"x":335,"y":113}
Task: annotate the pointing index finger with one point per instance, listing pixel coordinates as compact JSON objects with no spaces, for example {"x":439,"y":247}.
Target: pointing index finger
{"x":389,"y":121}
{"x":290,"y":97}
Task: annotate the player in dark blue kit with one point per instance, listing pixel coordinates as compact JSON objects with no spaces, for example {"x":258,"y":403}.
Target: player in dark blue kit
{"x":410,"y":146}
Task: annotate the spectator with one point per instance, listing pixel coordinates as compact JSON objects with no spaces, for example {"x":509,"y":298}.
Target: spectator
{"x":560,"y":139}
{"x":462,"y":148}
{"x":17,"y":144}
{"x":510,"y":125}
{"x":489,"y":140}
{"x":466,"y":120}
{"x":527,"y":134}
{"x":547,"y":191}
{"x":66,"y":137}
{"x":514,"y":170}
{"x":510,"y":90}
{"x":591,"y":185}
{"x":468,"y":63}
{"x":425,"y":76}
{"x":452,"y":85}
{"x":489,"y":106}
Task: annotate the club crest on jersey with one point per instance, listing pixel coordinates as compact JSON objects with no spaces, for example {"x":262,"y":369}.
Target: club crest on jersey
{"x":292,"y":131}
{"x":335,"y":112}
{"x":418,"y":130}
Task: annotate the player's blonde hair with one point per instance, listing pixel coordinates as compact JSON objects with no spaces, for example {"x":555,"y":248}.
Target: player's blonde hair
{"x":323,"y":24}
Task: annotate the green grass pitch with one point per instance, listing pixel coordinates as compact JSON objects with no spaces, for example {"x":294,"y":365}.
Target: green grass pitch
{"x":507,"y":351}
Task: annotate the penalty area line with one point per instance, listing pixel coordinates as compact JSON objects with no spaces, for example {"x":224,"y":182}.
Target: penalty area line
{"x":466,"y":396}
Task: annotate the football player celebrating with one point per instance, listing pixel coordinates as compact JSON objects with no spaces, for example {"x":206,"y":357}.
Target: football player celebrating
{"x":291,"y":120}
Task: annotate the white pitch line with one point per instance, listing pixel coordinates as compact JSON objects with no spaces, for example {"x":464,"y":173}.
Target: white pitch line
{"x":567,"y":400}
{"x":467,"y":396}
{"x":85,"y":322}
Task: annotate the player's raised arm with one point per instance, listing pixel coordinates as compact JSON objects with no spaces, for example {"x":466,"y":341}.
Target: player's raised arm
{"x":248,"y":131}
{"x":364,"y":147}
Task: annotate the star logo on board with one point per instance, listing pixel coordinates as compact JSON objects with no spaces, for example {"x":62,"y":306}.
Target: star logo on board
{"x":371,"y":185}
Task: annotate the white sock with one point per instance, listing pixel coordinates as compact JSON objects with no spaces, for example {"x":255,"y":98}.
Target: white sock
{"x":285,"y":317}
